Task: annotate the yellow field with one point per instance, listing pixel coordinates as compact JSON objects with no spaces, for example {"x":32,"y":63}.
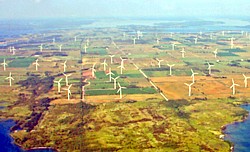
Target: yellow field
{"x":208,"y":87}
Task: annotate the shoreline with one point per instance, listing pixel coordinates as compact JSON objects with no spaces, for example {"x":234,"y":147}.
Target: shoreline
{"x":224,"y":127}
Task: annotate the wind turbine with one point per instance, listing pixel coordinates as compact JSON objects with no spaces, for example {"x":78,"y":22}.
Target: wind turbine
{"x":13,"y":50}
{"x":66,"y":78}
{"x":111,"y":58}
{"x":60,"y":47}
{"x":215,"y":53}
{"x":193,"y":73}
{"x":170,"y":68}
{"x":120,"y":90}
{"x":59,"y":84}
{"x":10,"y":78}
{"x":139,"y":34}
{"x":171,"y":34}
{"x":121,"y":67}
{"x":87,"y":42}
{"x":110,"y":73}
{"x":69,"y":92}
{"x":85,"y":48}
{"x":200,"y":33}
{"x":122,"y":61}
{"x":4,"y":64}
{"x":41,"y":47}
{"x":183,"y":52}
{"x":211,"y":36}
{"x":233,"y":86}
{"x":157,"y":41}
{"x":104,"y":65}
{"x":115,"y":79}
{"x":245,"y":80}
{"x":53,"y":40}
{"x":189,"y":88}
{"x":10,"y":48}
{"x":36,"y":64}
{"x":209,"y":68}
{"x":173,"y":46}
{"x":75,"y":38}
{"x":242,"y":33}
{"x":64,"y":66}
{"x":223,"y":33}
{"x":134,"y":40}
{"x":232,"y":42}
{"x":93,"y":70}
{"x":159,"y":62}
{"x":195,"y":40}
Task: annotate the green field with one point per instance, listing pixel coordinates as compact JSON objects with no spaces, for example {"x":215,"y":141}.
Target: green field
{"x":21,"y":62}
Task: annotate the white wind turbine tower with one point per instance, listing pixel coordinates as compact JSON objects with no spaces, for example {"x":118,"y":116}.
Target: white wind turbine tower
{"x":209,"y":68}
{"x":193,"y":74}
{"x":242,"y":33}
{"x":122,"y":61}
{"x":93,"y":70}
{"x":138,"y":35}
{"x":58,"y":85}
{"x":134,"y":40}
{"x":223,"y":33}
{"x":195,"y":40}
{"x":157,"y":41}
{"x":41,"y":47}
{"x":75,"y":38}
{"x":173,"y":46}
{"x":183,"y":52}
{"x":159,"y":62}
{"x":171,"y":34}
{"x":85,"y":48}
{"x":87,"y":42}
{"x":60,"y":47}
{"x":4,"y":64}
{"x":104,"y":65}
{"x":121,"y":68}
{"x":115,"y":80}
{"x":36,"y":64}
{"x":10,"y":78}
{"x":189,"y":88}
{"x":232,"y":42}
{"x":233,"y":86}
{"x":54,"y":40}
{"x":69,"y":92}
{"x":111,"y":58}
{"x":66,"y":78}
{"x":200,"y":33}
{"x":211,"y":36}
{"x":120,"y":90}
{"x":215,"y":53}
{"x":170,"y":68}
{"x":64,"y":66}
{"x":110,"y":73}
{"x":245,"y":80}
{"x":13,"y":50}
{"x":10,"y":49}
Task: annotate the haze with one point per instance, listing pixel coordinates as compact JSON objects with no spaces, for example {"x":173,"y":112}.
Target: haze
{"x":121,"y":8}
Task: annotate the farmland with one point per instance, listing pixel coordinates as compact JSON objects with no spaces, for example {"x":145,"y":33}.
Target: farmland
{"x":146,"y":108}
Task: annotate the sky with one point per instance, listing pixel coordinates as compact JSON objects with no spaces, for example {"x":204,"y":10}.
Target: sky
{"x":13,"y":9}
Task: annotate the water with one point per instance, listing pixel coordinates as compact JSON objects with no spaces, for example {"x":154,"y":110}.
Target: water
{"x":6,"y":142}
{"x":239,"y":134}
